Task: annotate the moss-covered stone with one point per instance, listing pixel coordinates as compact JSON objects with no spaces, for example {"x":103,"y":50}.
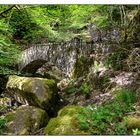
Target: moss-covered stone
{"x":65,"y":123}
{"x":70,"y":110}
{"x":26,"y":120}
{"x":10,"y":116}
{"x":133,"y":122}
{"x":38,"y":92}
{"x":82,"y":66}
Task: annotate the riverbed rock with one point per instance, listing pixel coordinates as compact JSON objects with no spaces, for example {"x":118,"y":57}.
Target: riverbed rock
{"x":65,"y":123}
{"x":26,"y":120}
{"x":39,"y":92}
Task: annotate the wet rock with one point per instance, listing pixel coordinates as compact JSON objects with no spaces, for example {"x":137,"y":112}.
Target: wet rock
{"x":25,"y":120}
{"x":38,"y":92}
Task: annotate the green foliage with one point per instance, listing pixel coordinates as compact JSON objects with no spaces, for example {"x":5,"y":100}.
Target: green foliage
{"x":9,"y":52}
{"x":126,"y":96}
{"x":85,"y":88}
{"x":104,"y":81}
{"x":71,"y":90}
{"x":57,"y":23}
{"x":136,"y":131}
{"x":3,"y":109}
{"x":107,"y":119}
{"x":115,"y":60}
{"x":25,"y":28}
{"x":8,"y":55}
{"x":2,"y":125}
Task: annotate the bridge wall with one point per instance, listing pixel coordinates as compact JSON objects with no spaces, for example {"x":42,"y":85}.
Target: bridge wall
{"x":61,"y":55}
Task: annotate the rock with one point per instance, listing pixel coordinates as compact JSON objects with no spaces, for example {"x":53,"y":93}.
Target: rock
{"x":82,"y":66}
{"x":133,"y":122}
{"x":133,"y":61}
{"x":63,"y":84}
{"x":65,"y":123}
{"x":128,"y":80}
{"x":39,"y":92}
{"x":5,"y":101}
{"x":25,"y":120}
{"x":5,"y":104}
{"x":51,"y":72}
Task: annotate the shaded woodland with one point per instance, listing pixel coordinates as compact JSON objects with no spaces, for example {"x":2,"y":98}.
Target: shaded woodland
{"x":69,"y":69}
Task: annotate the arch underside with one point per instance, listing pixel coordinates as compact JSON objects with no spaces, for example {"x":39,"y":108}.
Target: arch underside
{"x":33,"y":66}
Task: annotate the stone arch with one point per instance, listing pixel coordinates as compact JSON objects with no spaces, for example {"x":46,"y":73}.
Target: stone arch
{"x":33,"y":66}
{"x":62,"y":56}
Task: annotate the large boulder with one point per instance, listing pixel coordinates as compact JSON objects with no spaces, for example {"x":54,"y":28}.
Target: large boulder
{"x":65,"y":123}
{"x":39,"y":92}
{"x":26,"y":120}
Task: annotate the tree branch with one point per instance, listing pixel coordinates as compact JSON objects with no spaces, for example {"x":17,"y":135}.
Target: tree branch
{"x":5,"y":11}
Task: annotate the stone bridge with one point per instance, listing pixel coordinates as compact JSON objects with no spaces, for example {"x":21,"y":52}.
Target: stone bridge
{"x":64,"y":55}
{"x":61,"y":55}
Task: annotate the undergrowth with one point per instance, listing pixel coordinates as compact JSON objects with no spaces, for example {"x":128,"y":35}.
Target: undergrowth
{"x":2,"y":125}
{"x":109,"y":118}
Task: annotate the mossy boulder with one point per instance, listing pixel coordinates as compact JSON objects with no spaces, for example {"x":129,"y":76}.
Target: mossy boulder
{"x":65,"y":123}
{"x":133,"y":122}
{"x":26,"y":120}
{"x":39,"y":92}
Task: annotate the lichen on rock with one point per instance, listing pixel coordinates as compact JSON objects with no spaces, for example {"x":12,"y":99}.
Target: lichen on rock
{"x":38,"y":92}
{"x":25,"y":120}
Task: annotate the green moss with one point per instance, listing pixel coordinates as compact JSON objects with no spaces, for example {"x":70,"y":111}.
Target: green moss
{"x":38,"y":92}
{"x":50,"y":83}
{"x":10,"y":116}
{"x":133,"y":122}
{"x":81,"y":67}
{"x":65,"y":123}
{"x":69,"y":110}
{"x":26,"y":120}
